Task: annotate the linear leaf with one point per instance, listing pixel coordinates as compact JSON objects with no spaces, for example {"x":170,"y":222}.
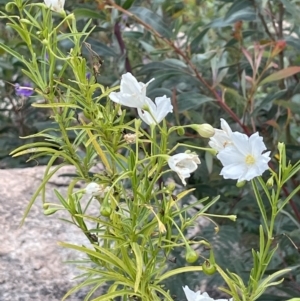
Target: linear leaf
{"x":284,"y":73}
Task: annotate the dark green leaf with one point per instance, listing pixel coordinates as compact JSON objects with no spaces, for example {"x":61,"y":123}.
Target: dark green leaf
{"x":127,"y":4}
{"x":195,"y":43}
{"x":237,"y":7}
{"x":86,"y":13}
{"x":152,"y":19}
{"x":268,"y":101}
{"x":159,"y":92}
{"x":188,"y":101}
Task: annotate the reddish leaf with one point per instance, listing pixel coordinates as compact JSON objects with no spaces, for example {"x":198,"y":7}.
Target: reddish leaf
{"x":284,"y":73}
{"x":273,"y":123}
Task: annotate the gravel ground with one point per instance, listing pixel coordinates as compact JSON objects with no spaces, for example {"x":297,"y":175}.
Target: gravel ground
{"x":31,"y":262}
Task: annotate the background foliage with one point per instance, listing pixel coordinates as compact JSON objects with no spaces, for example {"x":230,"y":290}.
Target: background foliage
{"x":205,"y":56}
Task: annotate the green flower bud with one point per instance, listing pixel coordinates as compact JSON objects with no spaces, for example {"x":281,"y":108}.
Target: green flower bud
{"x":191,"y":256}
{"x":270,"y":182}
{"x":45,"y":206}
{"x":105,"y":211}
{"x":232,"y":217}
{"x":281,"y":147}
{"x":50,"y":211}
{"x":208,"y":268}
{"x":70,"y":16}
{"x":240,"y":184}
{"x":171,"y":186}
{"x":180,"y":131}
{"x":205,"y":130}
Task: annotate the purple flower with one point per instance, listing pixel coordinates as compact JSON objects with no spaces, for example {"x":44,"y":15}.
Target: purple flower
{"x":88,"y":75}
{"x":26,"y":90}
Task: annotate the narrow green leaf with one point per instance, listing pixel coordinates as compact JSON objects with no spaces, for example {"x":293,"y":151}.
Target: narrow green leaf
{"x":139,"y":265}
{"x":261,"y":241}
{"x":104,"y":255}
{"x":33,"y":145}
{"x":36,"y":150}
{"x":272,"y":277}
{"x":55,"y":105}
{"x":86,"y":13}
{"x":11,"y":52}
{"x":22,"y":33}
{"x":179,"y":271}
{"x":112,"y":295}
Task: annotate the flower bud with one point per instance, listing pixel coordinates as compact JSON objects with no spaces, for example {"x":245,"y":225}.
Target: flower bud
{"x":232,"y":217}
{"x":270,"y":182}
{"x":105,"y":211}
{"x":280,"y":146}
{"x":208,"y":268}
{"x":205,"y":130}
{"x":180,"y":131}
{"x":171,"y":186}
{"x":71,"y":16}
{"x":50,"y":211}
{"x":191,"y":256}
{"x":240,"y":184}
{"x":45,"y":206}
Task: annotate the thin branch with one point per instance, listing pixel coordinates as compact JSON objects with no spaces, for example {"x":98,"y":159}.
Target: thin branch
{"x":118,"y":35}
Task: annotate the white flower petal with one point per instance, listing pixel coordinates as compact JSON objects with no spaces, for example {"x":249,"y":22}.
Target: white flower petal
{"x":132,"y":93}
{"x":197,"y":296}
{"x":258,"y":144}
{"x":55,"y":5}
{"x":184,"y":164}
{"x":163,"y":107}
{"x":159,"y":110}
{"x":225,"y":127}
{"x":146,"y":116}
{"x":191,"y":295}
{"x":222,"y":138}
{"x":96,"y":189}
{"x":243,"y":160}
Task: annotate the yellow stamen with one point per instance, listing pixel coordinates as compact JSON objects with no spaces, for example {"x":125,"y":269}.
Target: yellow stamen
{"x":249,"y":160}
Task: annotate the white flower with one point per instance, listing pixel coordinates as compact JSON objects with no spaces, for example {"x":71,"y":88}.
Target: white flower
{"x":243,"y":159}
{"x":221,"y":138}
{"x":56,"y":5}
{"x":159,"y":110}
{"x":132,"y":93}
{"x":184,"y":164}
{"x":197,"y":296}
{"x":95,"y":189}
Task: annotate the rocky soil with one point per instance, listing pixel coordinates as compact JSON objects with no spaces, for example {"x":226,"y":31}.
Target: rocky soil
{"x":31,"y":262}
